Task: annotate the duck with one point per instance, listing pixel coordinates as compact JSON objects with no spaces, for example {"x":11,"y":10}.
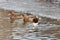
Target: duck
{"x":27,"y":17}
{"x":14,"y":16}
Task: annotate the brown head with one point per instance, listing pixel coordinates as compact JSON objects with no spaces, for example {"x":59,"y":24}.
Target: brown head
{"x":35,"y":20}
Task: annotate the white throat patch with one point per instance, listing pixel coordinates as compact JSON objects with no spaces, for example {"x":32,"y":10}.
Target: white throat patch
{"x":35,"y":24}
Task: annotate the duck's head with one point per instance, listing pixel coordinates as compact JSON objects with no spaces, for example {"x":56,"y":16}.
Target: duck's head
{"x":35,"y":21}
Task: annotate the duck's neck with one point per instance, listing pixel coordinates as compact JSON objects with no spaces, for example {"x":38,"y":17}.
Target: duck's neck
{"x":35,"y":24}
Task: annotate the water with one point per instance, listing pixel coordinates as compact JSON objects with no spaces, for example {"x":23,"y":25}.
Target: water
{"x":33,"y":6}
{"x":16,"y":31}
{"x":46,"y":32}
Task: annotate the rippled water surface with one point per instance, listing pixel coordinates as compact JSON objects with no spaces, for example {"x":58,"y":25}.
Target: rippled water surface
{"x":50,"y":30}
{"x":18,"y":31}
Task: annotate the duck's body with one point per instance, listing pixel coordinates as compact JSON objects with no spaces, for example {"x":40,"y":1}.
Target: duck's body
{"x":26,"y":18}
{"x":14,"y":17}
